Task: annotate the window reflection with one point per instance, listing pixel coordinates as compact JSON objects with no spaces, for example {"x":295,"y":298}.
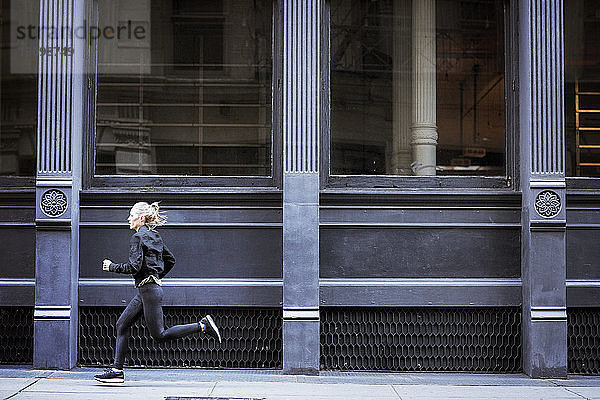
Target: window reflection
{"x":18,"y":89}
{"x":582,"y":87}
{"x":192,"y":96}
{"x":417,"y":87}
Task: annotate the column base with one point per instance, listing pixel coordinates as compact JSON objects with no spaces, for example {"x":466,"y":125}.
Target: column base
{"x":53,"y":346}
{"x":545,"y":349}
{"x":301,"y":347}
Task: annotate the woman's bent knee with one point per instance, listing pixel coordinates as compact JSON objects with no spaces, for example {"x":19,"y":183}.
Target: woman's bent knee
{"x":122,"y":327}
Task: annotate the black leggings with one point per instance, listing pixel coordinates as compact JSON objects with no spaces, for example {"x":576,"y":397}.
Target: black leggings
{"x":149,"y":301}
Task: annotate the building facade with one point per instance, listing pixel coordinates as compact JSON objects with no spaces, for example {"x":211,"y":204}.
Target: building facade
{"x":350,"y":184}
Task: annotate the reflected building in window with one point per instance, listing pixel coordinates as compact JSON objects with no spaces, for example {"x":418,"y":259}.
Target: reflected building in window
{"x":582,"y":88}
{"x":18,"y":93}
{"x":190,"y":94}
{"x":417,"y":88}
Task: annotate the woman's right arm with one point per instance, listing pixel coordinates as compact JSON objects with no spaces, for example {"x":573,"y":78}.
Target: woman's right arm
{"x":136,"y":255}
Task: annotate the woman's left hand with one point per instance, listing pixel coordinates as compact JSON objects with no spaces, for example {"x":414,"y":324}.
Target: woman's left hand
{"x":106,"y":264}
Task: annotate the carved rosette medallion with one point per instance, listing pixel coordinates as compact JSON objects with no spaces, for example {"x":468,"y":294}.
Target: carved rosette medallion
{"x":54,"y":203}
{"x":547,"y":204}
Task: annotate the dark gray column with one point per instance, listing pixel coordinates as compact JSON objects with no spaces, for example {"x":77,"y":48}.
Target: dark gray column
{"x":60,"y":129}
{"x":543,"y":185}
{"x":301,"y":186}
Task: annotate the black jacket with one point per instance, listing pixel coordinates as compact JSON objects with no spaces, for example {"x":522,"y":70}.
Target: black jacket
{"x":148,"y":255}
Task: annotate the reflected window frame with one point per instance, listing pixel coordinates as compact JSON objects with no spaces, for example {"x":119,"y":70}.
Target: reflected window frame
{"x":274,"y":180}
{"x":508,"y":182}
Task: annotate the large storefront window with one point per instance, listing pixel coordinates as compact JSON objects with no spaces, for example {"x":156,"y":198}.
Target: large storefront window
{"x":184,"y":88}
{"x":18,"y":87}
{"x":417,"y":87}
{"x":582,"y":87}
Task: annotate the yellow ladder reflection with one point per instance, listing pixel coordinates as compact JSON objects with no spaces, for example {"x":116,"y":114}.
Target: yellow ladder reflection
{"x":584,"y":128}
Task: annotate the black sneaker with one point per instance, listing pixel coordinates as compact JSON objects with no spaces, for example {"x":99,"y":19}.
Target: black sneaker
{"x":111,"y":376}
{"x":210,"y":328}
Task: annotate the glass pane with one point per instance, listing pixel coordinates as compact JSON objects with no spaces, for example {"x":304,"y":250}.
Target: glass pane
{"x":190,"y":94}
{"x":417,"y":87}
{"x":582,"y":87}
{"x":18,"y":86}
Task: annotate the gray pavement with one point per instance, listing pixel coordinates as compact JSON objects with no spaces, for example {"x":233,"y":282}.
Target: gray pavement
{"x":147,"y":384}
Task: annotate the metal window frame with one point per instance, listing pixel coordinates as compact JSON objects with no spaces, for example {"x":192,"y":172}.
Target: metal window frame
{"x":509,"y":182}
{"x":579,"y":183}
{"x":91,"y":180}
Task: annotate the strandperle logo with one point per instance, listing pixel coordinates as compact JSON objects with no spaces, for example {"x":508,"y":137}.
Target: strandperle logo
{"x":121,"y":34}
{"x":130,"y":30}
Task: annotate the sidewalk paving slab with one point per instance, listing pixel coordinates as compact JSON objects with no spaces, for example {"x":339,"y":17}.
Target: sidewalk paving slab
{"x":585,"y":392}
{"x":300,"y":390}
{"x":90,"y":389}
{"x":423,"y":378}
{"x":328,"y":397}
{"x":78,"y":396}
{"x":149,"y":384}
{"x":92,"y":386}
{"x":9,"y":371}
{"x":15,"y":384}
{"x":483,"y":392}
{"x":577,"y":380}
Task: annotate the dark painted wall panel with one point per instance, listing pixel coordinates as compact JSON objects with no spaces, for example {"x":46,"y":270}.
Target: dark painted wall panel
{"x":17,"y":214}
{"x":582,"y":294}
{"x":583,"y":216}
{"x":583,"y":235}
{"x":583,"y":253}
{"x":106,"y":293}
{"x":17,"y":252}
{"x":53,"y":267}
{"x":200,"y":252}
{"x":419,"y":252}
{"x":415,"y":215}
{"x":392,"y":293}
{"x":198,"y":214}
{"x":17,"y":234}
{"x":17,"y":293}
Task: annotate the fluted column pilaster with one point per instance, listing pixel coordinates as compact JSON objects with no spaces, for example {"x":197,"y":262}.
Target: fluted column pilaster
{"x":423,"y":128}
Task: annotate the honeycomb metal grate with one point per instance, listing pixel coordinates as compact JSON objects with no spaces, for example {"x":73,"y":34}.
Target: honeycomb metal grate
{"x":252,"y":338}
{"x":16,"y":335}
{"x":421,"y":339}
{"x":583,"y":340}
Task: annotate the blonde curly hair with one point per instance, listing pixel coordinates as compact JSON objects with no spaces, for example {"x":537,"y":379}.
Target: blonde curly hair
{"x":151,"y":212}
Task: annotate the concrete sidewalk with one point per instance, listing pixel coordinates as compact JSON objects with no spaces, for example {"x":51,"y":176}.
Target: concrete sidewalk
{"x":147,"y":384}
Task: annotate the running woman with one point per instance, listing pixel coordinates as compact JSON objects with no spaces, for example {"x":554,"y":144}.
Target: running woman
{"x":149,"y":261}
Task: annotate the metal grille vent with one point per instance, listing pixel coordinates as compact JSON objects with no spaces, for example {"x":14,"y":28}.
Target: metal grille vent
{"x":16,"y":335}
{"x":251,"y":339}
{"x":583,"y":340}
{"x":421,"y":339}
